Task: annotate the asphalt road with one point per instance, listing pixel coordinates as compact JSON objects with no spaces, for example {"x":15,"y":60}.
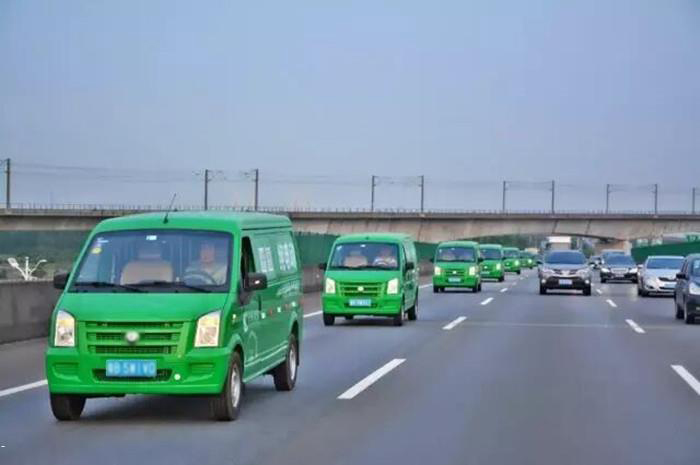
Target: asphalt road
{"x":522,"y":379}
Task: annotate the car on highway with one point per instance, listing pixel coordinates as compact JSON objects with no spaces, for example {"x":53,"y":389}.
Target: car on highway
{"x":491,"y":259}
{"x":183,"y":303}
{"x":372,"y":275}
{"x":456,"y":265}
{"x":594,"y":261}
{"x":658,"y":275}
{"x":527,"y":260}
{"x":565,"y":270}
{"x":687,"y":292}
{"x":618,"y":267}
{"x":511,"y":260}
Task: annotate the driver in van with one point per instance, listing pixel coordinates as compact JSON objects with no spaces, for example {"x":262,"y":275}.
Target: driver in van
{"x":208,"y":264}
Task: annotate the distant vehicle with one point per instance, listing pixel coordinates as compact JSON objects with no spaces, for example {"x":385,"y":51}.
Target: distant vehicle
{"x":491,"y":257}
{"x":371,"y":274}
{"x":457,"y":265}
{"x":558,"y":243}
{"x":594,"y":261}
{"x":618,"y":267}
{"x":511,"y":259}
{"x":687,"y":292}
{"x":565,"y":269}
{"x":177,"y":305}
{"x":527,"y":260}
{"x":609,"y":253}
{"x":658,"y":275}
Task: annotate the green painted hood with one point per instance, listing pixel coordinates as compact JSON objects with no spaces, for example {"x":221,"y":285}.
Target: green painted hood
{"x":140,"y":307}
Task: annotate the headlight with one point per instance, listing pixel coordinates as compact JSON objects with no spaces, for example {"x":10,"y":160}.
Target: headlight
{"x":330,"y":286}
{"x":517,"y":263}
{"x":582,"y":272}
{"x":438,"y":270}
{"x":472,"y":271}
{"x":605,"y":270}
{"x":651,"y":281}
{"x":498,"y":266}
{"x":208,"y":330}
{"x":64,"y":334}
{"x":392,"y":287}
{"x":547,"y":271}
{"x":694,"y":289}
{"x":634,"y":270}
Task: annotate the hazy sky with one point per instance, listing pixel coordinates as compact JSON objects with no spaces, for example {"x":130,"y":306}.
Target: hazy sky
{"x":585,"y":92}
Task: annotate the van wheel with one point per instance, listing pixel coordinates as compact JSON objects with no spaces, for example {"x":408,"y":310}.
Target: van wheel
{"x":285,"y":374}
{"x":67,"y":407}
{"x":328,"y":320}
{"x":478,"y":288}
{"x":436,"y":289}
{"x":398,"y":318}
{"x":412,"y":312}
{"x":501,"y":279}
{"x":518,"y":271}
{"x":227,"y":405}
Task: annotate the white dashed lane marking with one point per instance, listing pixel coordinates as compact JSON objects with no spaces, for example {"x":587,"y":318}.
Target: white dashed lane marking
{"x":487,"y":301}
{"x":454,"y":323}
{"x":371,"y":379}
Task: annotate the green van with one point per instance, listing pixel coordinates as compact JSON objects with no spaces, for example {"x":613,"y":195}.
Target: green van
{"x":491,"y":257}
{"x":183,"y":303}
{"x":511,"y":259}
{"x":371,"y":274}
{"x":456,"y":265}
{"x":526,"y":260}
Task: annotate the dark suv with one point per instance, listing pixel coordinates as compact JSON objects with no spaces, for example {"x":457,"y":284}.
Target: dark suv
{"x":687,"y":295}
{"x":618,"y":267}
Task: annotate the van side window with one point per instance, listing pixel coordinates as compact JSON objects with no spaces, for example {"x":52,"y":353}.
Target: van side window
{"x":263,"y":255}
{"x":247,"y":259}
{"x":286,"y":253}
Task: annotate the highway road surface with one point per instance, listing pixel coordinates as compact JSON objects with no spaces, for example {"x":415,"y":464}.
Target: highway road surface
{"x":502,"y":377}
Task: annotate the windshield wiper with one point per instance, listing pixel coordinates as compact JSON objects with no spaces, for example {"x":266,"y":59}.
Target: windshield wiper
{"x":106,"y":284}
{"x":172,"y":284}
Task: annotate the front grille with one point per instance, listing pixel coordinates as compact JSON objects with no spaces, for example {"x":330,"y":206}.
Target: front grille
{"x":360,"y":289}
{"x":619,"y":270}
{"x":154,"y":338}
{"x":668,"y":280}
{"x":454,"y":273}
{"x":161,"y":375}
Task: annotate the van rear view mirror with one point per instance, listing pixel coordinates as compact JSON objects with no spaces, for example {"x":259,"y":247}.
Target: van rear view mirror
{"x":255,"y":282}
{"x":60,"y":280}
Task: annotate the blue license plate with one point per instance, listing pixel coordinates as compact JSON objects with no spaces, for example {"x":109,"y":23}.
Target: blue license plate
{"x":360,"y":302}
{"x":454,"y":280}
{"x":131,"y":368}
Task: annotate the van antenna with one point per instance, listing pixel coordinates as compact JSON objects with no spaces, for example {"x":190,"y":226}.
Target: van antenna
{"x":170,"y":208}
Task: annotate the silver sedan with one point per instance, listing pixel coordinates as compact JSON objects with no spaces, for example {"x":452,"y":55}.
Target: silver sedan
{"x":658,"y":275}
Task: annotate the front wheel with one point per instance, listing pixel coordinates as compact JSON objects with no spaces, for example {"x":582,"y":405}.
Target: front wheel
{"x":679,"y":312}
{"x":689,"y":319}
{"x":398,"y":318}
{"x":67,"y":407}
{"x":587,"y":291}
{"x":518,"y":271}
{"x":328,"y":320}
{"x":501,"y":279}
{"x":413,"y":311}
{"x":543,"y":290}
{"x":227,"y":405}
{"x":285,"y":374}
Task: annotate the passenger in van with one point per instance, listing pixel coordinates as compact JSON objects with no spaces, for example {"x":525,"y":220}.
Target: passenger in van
{"x":148,"y":266}
{"x":386,"y":258}
{"x":208,"y":264}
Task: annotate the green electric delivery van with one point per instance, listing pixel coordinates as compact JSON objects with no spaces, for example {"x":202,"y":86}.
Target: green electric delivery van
{"x":371,"y":274}
{"x":182,"y":303}
{"x":491,"y":257}
{"x":456,"y":264}
{"x":511,"y":259}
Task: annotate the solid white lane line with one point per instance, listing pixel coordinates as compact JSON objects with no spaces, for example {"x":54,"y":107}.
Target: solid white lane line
{"x":504,"y":289}
{"x":635,"y":327}
{"x":25,"y":387}
{"x":424,"y":286}
{"x":487,"y":301}
{"x":454,"y":323}
{"x":611,"y":303}
{"x":309,"y":315}
{"x":599,"y":291}
{"x":371,"y":379}
{"x":687,"y":377}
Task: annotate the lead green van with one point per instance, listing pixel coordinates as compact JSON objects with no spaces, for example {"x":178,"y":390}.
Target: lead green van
{"x":180,"y":303}
{"x":371,"y":274}
{"x":491,"y":257}
{"x":456,"y":264}
{"x":511,"y":259}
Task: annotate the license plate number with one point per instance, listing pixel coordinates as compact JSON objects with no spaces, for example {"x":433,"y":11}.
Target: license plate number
{"x":131,"y":368}
{"x":454,"y":280}
{"x":360,"y":302}
{"x":565,"y":282}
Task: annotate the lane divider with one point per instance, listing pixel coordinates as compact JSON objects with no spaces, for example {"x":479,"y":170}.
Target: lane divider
{"x":424,"y":286}
{"x":599,"y":291}
{"x":371,"y":379}
{"x":635,"y":327}
{"x":454,"y":323}
{"x":25,"y":387}
{"x":504,"y":289}
{"x":687,"y":377}
{"x":611,"y":303}
{"x":487,"y":301}
{"x":309,"y":315}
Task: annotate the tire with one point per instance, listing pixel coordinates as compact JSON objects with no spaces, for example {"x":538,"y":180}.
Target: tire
{"x":413,"y":311}
{"x":349,"y":317}
{"x":478,"y":289}
{"x":603,"y":280}
{"x":543,"y":290}
{"x":518,"y":272}
{"x":689,"y":319}
{"x":587,"y":291}
{"x":501,"y":279}
{"x":328,"y":320}
{"x":285,"y":374}
{"x":397,"y":319}
{"x":67,"y":407}
{"x":436,"y":289}
{"x":679,"y":311}
{"x":227,"y":405}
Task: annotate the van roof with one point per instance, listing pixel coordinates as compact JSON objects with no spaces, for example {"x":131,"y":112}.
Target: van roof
{"x":458,"y":244}
{"x":491,"y":246}
{"x":374,"y":237}
{"x":215,"y":221}
{"x":511,"y":248}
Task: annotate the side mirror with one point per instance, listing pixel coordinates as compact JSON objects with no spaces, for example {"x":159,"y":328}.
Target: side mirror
{"x":432,"y":260}
{"x":255,"y":282}
{"x":60,"y":280}
{"x":480,"y":259}
{"x":410,"y":266}
{"x":681,"y":276}
{"x":322,"y":266}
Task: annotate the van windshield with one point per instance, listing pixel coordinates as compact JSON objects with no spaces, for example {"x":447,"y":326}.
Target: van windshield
{"x":364,"y":256}
{"x":511,"y":253}
{"x":163,"y":261}
{"x":491,"y":254}
{"x":456,"y":254}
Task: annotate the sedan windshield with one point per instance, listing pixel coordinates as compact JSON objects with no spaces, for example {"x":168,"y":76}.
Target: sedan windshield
{"x":695,"y":268}
{"x":491,"y":254}
{"x":163,"y":261}
{"x":365,"y":255}
{"x":624,"y":260}
{"x":664,"y":263}
{"x":456,"y":254}
{"x":565,"y":258}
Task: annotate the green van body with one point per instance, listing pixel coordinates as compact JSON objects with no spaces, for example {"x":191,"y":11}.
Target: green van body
{"x":511,"y":260}
{"x":491,"y":256}
{"x":362,"y":288}
{"x":456,"y":272}
{"x":527,"y":260}
{"x":257,"y":325}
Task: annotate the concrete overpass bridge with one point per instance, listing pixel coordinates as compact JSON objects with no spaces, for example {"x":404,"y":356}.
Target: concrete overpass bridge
{"x":428,"y":226}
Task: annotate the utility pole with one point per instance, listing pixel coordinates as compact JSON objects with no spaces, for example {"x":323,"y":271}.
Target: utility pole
{"x":8,"y":174}
{"x":607,"y":198}
{"x":422,"y":193}
{"x":656,"y":199}
{"x":206,"y":189}
{"x":374,"y":184}
{"x":256,"y":180}
{"x":503,"y":197}
{"x":552,"y":197}
{"x":694,"y":197}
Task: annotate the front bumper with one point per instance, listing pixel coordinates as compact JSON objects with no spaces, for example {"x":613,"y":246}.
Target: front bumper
{"x":454,"y":281}
{"x":620,"y":277}
{"x":693,"y":305}
{"x":511,"y":267}
{"x":340,"y":305}
{"x":658,"y":287}
{"x":201,"y":371}
{"x":558,"y":282}
{"x":489,"y":271}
